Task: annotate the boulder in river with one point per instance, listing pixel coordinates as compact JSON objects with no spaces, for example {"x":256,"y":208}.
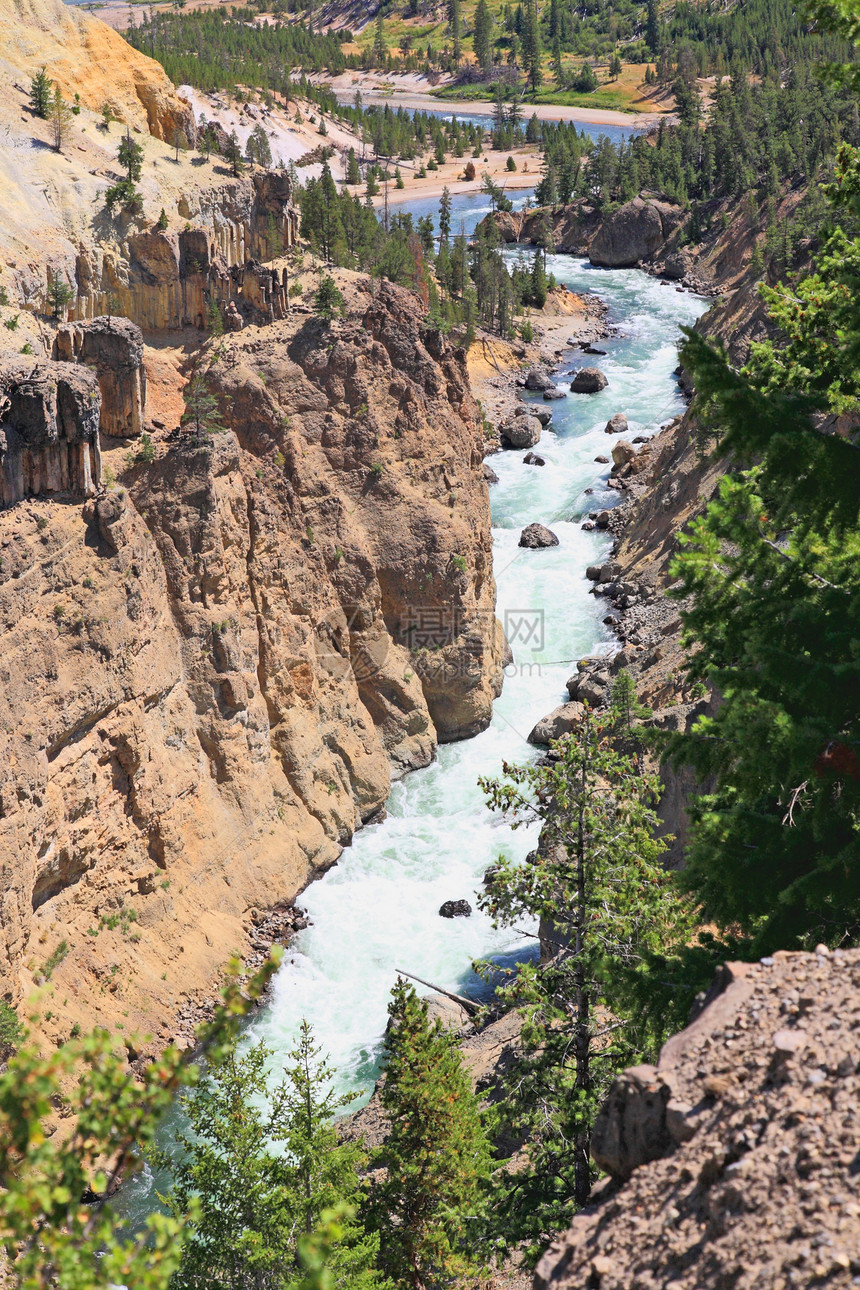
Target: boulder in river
{"x":455,"y":909}
{"x":521,"y":432}
{"x":544,"y":415}
{"x":490,"y":475}
{"x":554,"y":393}
{"x":633,"y":232}
{"x":561,"y":721}
{"x":536,"y":536}
{"x":538,"y":381}
{"x":602,"y":461}
{"x":533,"y":459}
{"x":588,"y":380}
{"x":616,"y":424}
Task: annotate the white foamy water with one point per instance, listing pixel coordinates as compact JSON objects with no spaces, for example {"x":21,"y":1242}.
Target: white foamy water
{"x":377,"y":910}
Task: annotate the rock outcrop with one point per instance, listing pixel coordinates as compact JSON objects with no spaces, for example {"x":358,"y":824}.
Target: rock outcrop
{"x":536,"y":536}
{"x":114,"y":348}
{"x":734,"y":1160}
{"x":212,"y":673}
{"x":49,"y":423}
{"x":634,"y":232}
{"x":89,"y":59}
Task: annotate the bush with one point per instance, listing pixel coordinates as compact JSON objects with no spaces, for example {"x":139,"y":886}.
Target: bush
{"x":510,"y":164}
{"x":470,"y":172}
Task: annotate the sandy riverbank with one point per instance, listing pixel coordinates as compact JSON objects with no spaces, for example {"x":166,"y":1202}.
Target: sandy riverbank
{"x":412,"y":90}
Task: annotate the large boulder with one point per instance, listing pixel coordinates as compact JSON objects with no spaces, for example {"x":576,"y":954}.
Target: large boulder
{"x":544,"y":415}
{"x":634,"y":232}
{"x":534,"y":459}
{"x":554,"y":393}
{"x":520,"y":432}
{"x":536,"y":536}
{"x":563,"y":720}
{"x":538,"y":381}
{"x":677,"y":266}
{"x":622,"y":452}
{"x":630,"y":1128}
{"x":588,"y":380}
{"x":490,"y":475}
{"x":616,"y":424}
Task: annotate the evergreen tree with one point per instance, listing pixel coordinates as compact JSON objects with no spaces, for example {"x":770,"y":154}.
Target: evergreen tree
{"x":60,"y":294}
{"x":604,"y":905}
{"x":773,"y":573}
{"x":482,"y":37}
{"x":201,"y":413}
{"x":61,"y":119}
{"x":262,"y":1165}
{"x":380,"y":47}
{"x":130,"y":157}
{"x":436,"y":1155}
{"x":557,"y":67}
{"x":233,"y":155}
{"x":328,"y":301}
{"x":652,"y":28}
{"x":353,"y":173}
{"x":454,"y":25}
{"x":257,"y":148}
{"x":531,"y":46}
{"x":41,"y":94}
{"x":444,"y":215}
{"x":538,"y":290}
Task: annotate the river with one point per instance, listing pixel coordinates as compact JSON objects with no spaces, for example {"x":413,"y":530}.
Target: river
{"x":377,"y":909}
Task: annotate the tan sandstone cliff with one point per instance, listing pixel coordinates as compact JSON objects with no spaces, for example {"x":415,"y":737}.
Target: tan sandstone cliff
{"x":211,"y":673}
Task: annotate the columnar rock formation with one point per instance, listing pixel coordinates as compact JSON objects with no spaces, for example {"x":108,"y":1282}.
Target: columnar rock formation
{"x":168,"y":279}
{"x":114,"y":348}
{"x":49,"y":419}
{"x":211,"y":675}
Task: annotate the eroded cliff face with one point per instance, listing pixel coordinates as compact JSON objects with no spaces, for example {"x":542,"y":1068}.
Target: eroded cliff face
{"x":86,"y":57}
{"x":211,"y":673}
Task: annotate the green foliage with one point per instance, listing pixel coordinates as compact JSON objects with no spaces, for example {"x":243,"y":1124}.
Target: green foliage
{"x":257,"y":148}
{"x":161,"y":222}
{"x":41,"y":94}
{"x":60,"y":116}
{"x":130,"y":157}
{"x":436,"y":1157}
{"x":125,"y":196}
{"x":11,"y":1030}
{"x":202,"y":413}
{"x":49,"y":1236}
{"x":328,"y":301}
{"x":60,"y":294}
{"x":233,"y":155}
{"x":143,"y":454}
{"x":261,"y":1166}
{"x":605,"y":908}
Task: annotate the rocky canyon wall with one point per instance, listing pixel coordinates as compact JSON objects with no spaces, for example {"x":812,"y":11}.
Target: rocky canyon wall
{"x":211,"y":674}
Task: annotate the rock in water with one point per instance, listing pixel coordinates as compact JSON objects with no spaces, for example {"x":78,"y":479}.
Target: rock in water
{"x":490,"y":475}
{"x":588,"y":380}
{"x":536,"y":536}
{"x":455,"y":909}
{"x":532,"y":459}
{"x":616,"y":424}
{"x":554,"y":393}
{"x":544,"y":415}
{"x":538,"y":381}
{"x":520,"y":432}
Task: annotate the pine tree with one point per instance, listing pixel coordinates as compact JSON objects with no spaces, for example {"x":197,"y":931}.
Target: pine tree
{"x":436,"y":1155}
{"x":557,"y":66}
{"x":652,"y":28}
{"x":202,"y":412}
{"x":531,"y":46}
{"x":261,"y":1165}
{"x":444,"y":216}
{"x":130,"y":157}
{"x":353,"y":173}
{"x":41,"y":94}
{"x":482,"y":37}
{"x":61,"y":119}
{"x":380,"y":47}
{"x":60,"y":294}
{"x":328,"y":301}
{"x":773,"y":575}
{"x":604,"y":905}
{"x":454,"y":25}
{"x":233,"y":155}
